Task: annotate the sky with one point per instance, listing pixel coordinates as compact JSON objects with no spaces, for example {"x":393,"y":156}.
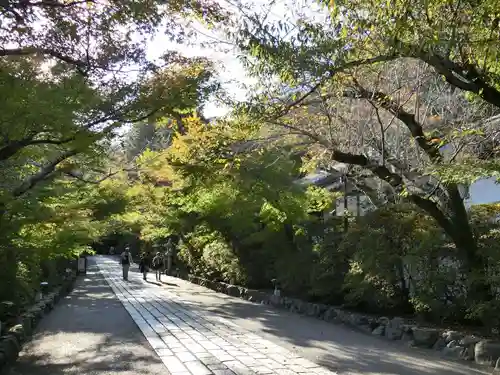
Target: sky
{"x":233,"y":69}
{"x":233,"y":72}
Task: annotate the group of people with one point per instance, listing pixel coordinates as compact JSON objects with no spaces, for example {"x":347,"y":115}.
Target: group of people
{"x":157,"y":264}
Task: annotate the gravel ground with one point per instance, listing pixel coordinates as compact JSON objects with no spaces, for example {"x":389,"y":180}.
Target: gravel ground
{"x":88,"y":333}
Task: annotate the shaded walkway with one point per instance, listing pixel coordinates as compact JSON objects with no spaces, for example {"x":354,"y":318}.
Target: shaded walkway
{"x":195,"y":331}
{"x":89,"y":333}
{"x":338,"y":347}
{"x":199,"y":342}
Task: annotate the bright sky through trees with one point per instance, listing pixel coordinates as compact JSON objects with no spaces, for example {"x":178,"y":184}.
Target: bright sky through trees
{"x":209,"y":43}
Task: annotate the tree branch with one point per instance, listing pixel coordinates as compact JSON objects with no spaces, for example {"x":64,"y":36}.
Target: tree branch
{"x":80,"y":177}
{"x":15,"y":146}
{"x":82,"y":66}
{"x":470,"y":81}
{"x":348,"y":65}
{"x":53,"y":3}
{"x":407,"y":118}
{"x":46,"y":170}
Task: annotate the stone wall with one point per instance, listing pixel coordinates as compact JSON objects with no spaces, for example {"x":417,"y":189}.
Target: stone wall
{"x":451,"y":344}
{"x":12,"y":338}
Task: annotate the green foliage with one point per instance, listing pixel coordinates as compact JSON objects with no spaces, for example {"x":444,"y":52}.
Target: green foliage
{"x":66,"y":87}
{"x":389,"y":250}
{"x":235,"y":205}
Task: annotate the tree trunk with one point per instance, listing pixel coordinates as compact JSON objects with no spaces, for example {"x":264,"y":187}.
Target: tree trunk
{"x":475,"y":265}
{"x":8,"y":277}
{"x":457,"y":226}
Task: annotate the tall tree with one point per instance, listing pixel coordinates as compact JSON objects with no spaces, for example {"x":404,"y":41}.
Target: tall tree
{"x":72,"y":73}
{"x":346,"y":54}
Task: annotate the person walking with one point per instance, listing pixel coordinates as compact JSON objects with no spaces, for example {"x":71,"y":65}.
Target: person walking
{"x":125,"y":260}
{"x":158,"y":265}
{"x":143,"y":266}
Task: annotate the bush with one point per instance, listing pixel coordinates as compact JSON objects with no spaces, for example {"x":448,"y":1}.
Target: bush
{"x":393,"y":255}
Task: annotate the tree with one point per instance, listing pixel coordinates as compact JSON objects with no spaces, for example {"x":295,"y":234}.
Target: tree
{"x":344,"y":57}
{"x":232,"y":202}
{"x":73,"y":62}
{"x":72,"y":73}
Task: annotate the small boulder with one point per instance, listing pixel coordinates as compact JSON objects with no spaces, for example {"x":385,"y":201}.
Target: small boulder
{"x":468,"y":353}
{"x":233,"y":291}
{"x":407,"y":336}
{"x":18,"y":332}
{"x":275,"y":300}
{"x":453,"y":352}
{"x":469,"y":340}
{"x":27,"y":322}
{"x":452,"y":344}
{"x":496,"y":370}
{"x":394,"y":329}
{"x":10,"y":347}
{"x":379,"y":331}
{"x":330,"y":315}
{"x":486,"y":352}
{"x":359,"y":320}
{"x":383,"y":320}
{"x":452,"y":336}
{"x":365,"y":328}
{"x":440,"y":344}
{"x":243,"y":292}
{"x":312,"y":310}
{"x":425,"y":337}
{"x":49,"y":303}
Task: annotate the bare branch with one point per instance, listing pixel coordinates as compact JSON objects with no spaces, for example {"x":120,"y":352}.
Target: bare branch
{"x":332,"y":72}
{"x":405,"y":117}
{"x":42,"y":174}
{"x":53,"y":3}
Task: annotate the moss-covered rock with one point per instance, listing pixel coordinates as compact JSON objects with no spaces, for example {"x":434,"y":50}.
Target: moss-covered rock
{"x":10,"y":347}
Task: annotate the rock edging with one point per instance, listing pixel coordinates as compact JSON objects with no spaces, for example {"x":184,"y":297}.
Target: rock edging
{"x":451,"y":344}
{"x":11,"y":342}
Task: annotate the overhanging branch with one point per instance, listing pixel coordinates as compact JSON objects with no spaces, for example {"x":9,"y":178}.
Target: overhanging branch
{"x":42,"y":174}
{"x":407,"y":118}
{"x":82,"y":66}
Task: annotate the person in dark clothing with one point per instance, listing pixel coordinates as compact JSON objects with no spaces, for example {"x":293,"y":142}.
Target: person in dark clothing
{"x":143,"y":266}
{"x":125,"y":260}
{"x":158,"y":265}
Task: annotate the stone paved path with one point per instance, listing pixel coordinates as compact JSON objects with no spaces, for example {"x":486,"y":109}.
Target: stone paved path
{"x":189,"y":342}
{"x":185,"y":329}
{"x":88,"y":333}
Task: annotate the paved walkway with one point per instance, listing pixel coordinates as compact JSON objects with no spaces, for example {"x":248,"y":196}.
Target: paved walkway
{"x":88,"y":333}
{"x":194,"y":331}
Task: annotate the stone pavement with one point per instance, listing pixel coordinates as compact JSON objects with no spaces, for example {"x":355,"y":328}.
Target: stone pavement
{"x":191,"y":342}
{"x":88,"y":333}
{"x":191,"y":330}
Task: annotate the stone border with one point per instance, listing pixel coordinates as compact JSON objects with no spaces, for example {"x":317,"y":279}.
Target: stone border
{"x":451,"y":344}
{"x":12,"y":341}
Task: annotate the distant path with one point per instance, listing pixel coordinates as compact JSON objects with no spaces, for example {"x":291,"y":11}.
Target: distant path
{"x":200,"y":332}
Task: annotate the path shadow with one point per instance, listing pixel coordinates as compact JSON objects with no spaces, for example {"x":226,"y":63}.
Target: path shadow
{"x":157,"y":283}
{"x":88,"y":332}
{"x":106,"y":357}
{"x":338,"y":347}
{"x":169,"y":284}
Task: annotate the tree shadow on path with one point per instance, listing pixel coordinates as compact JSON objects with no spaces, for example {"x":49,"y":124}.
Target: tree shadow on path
{"x":338,"y":347}
{"x":89,"y":332}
